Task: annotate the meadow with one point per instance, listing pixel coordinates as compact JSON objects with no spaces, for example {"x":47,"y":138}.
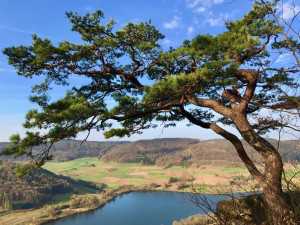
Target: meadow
{"x":115,"y":175}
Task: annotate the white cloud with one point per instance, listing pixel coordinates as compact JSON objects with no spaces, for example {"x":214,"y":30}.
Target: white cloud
{"x":172,"y":24}
{"x":193,"y":3}
{"x":201,"y":6}
{"x":200,"y":10}
{"x":196,"y":4}
{"x":23,"y":31}
{"x":15,"y":30}
{"x":289,"y":10}
{"x":88,"y":8}
{"x":216,"y":20}
{"x":166,"y":42}
{"x":190,"y":30}
{"x":284,"y":58}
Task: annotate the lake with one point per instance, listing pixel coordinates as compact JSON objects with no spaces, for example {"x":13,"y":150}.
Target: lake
{"x":141,"y":208}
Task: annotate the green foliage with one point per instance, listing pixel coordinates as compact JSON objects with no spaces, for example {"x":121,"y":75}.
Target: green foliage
{"x":173,"y":180}
{"x":116,"y":132}
{"x":23,"y":169}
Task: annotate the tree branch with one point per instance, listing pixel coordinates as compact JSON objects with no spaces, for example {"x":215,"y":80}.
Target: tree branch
{"x":212,"y":104}
{"x":251,"y":77}
{"x":228,"y":136}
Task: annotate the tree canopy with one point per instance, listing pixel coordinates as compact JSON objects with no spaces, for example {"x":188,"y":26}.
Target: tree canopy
{"x":133,"y":83}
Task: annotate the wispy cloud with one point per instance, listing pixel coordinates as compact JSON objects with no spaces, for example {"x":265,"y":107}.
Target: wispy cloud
{"x":166,"y":42}
{"x":27,"y":33}
{"x":216,"y":20}
{"x":200,"y":6}
{"x":284,"y":58}
{"x":173,"y":23}
{"x":88,"y":8}
{"x":289,"y":10}
{"x":190,"y":30}
{"x":205,"y":13}
{"x":200,"y":10}
{"x":15,"y":30}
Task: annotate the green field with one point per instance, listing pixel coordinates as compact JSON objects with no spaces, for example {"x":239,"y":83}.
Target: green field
{"x":206,"y":178}
{"x":118,"y":174}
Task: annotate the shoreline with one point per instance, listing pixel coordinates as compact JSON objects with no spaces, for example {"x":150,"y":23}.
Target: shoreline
{"x":120,"y":193}
{"x":111,"y":197}
{"x":41,"y":216}
{"x":117,"y":194}
{"x":52,"y":213}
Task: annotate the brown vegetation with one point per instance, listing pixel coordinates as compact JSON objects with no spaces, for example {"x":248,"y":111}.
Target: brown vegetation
{"x":168,"y":152}
{"x":37,"y":187}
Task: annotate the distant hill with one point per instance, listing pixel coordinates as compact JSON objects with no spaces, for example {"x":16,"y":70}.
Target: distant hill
{"x":71,"y":149}
{"x":165,"y":152}
{"x":37,"y":187}
{"x":147,"y":151}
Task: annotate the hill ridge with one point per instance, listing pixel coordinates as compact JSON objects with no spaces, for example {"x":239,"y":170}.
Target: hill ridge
{"x":162,"y":151}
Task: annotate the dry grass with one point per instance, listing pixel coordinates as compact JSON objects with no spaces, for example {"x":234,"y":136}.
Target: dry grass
{"x":117,"y":174}
{"x":196,"y":220}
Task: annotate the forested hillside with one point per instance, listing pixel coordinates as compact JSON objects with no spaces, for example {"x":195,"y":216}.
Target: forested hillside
{"x":164,"y":152}
{"x":37,"y":187}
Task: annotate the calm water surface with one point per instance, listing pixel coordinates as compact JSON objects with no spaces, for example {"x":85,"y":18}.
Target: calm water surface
{"x":141,"y":208}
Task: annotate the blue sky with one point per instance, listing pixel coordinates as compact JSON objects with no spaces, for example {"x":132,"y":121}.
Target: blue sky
{"x":176,"y":19}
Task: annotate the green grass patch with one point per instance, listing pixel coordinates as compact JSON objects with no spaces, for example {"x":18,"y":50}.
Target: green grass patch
{"x":158,"y":175}
{"x":233,"y":170}
{"x":72,"y":165}
{"x":115,"y":174}
{"x":202,"y":188}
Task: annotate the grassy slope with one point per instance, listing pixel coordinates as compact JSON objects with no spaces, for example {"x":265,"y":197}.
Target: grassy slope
{"x":211,"y":178}
{"x":117,"y":174}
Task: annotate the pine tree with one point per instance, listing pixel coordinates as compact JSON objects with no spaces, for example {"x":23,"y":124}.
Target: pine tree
{"x":211,"y":81}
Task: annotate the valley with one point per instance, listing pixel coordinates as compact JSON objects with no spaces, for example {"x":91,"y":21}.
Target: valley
{"x":173,"y":178}
{"x":93,"y":173}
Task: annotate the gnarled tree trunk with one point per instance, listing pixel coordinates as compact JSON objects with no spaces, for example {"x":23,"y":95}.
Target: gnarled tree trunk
{"x":279,"y":210}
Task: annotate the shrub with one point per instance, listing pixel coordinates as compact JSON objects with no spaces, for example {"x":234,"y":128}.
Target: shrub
{"x":84,"y":202}
{"x":167,"y":185}
{"x":173,"y":180}
{"x":195,"y":220}
{"x":182,"y":185}
{"x":153,"y":185}
{"x":52,"y":211}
